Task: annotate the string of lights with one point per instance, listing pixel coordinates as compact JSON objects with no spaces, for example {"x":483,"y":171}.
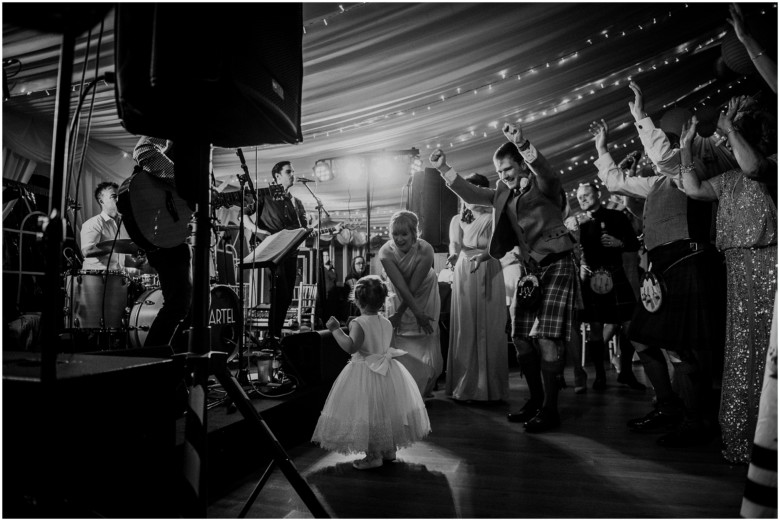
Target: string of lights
{"x":517,"y":75}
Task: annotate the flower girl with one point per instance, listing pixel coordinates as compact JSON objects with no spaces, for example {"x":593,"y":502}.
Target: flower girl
{"x":374,"y":405}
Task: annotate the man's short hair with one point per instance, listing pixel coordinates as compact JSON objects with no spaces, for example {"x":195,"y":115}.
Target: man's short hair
{"x":509,"y":150}
{"x":103,"y":186}
{"x":278,"y":167}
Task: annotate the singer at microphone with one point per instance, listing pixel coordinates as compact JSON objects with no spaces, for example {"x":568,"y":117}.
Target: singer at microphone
{"x":273,"y":215}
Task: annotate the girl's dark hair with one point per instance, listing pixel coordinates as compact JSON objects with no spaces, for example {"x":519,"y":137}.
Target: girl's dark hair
{"x":370,"y":292}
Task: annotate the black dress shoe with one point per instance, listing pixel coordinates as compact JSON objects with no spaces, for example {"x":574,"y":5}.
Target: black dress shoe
{"x":688,"y":434}
{"x":528,"y":411}
{"x":655,"y":419}
{"x":630,"y":380}
{"x":543,"y":422}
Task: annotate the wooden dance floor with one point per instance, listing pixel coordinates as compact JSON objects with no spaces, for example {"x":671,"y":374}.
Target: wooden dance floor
{"x":477,"y":465}
{"x":474,"y":464}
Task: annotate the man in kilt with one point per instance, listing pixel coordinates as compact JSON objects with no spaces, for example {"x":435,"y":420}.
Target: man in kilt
{"x":527,"y":204}
{"x":677,"y":238}
{"x":606,"y":292}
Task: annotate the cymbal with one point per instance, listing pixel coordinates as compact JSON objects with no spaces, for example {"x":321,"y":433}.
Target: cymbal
{"x":125,"y":246}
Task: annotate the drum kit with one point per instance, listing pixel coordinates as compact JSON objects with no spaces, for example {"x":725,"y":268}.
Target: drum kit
{"x":122,"y":305}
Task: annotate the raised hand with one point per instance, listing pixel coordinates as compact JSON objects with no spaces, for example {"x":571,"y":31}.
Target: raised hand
{"x":688,"y":132}
{"x":438,"y":160}
{"x":637,"y":107}
{"x":726,"y":119}
{"x":600,"y":131}
{"x":630,"y":161}
{"x":737,"y":21}
{"x":513,"y":133}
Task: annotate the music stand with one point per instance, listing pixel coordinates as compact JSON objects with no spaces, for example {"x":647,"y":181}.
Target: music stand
{"x":268,"y":254}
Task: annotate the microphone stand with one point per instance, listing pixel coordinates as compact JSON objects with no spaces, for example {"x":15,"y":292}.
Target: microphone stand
{"x":320,"y":210}
{"x":243,"y":365}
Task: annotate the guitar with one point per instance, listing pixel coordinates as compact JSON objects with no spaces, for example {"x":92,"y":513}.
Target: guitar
{"x":234,"y":198}
{"x":153,"y":213}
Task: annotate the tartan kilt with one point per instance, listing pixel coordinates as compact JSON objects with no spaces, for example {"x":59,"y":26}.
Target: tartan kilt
{"x":615,"y":307}
{"x":692,"y":315}
{"x":554,"y":318}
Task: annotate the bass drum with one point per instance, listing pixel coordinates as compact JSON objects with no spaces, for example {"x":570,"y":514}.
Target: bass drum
{"x":223,"y":316}
{"x":95,"y":299}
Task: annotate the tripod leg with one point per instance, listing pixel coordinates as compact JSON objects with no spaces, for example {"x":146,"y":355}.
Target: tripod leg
{"x":280,"y":457}
{"x":260,"y":484}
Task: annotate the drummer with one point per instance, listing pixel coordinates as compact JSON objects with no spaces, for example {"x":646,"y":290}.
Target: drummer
{"x":98,"y":234}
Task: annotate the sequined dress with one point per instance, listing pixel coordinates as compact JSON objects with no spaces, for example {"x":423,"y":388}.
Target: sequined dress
{"x":747,"y":235}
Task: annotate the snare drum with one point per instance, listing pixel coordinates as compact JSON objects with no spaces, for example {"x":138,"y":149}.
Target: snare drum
{"x":95,"y":299}
{"x":223,"y":318}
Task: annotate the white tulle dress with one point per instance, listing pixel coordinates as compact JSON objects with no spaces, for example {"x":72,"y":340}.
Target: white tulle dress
{"x":374,"y":404}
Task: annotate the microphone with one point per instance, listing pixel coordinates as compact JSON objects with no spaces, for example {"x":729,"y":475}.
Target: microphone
{"x":303,"y":180}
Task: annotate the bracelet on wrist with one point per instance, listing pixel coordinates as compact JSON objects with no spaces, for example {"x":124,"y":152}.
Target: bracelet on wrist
{"x":729,"y":131}
{"x":685,"y":169}
{"x":525,"y":145}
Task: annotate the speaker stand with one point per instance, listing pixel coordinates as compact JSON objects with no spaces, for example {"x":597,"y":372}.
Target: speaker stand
{"x":193,"y":160}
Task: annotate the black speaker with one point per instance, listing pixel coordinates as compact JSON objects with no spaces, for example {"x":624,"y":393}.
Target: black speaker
{"x":332,"y":358}
{"x":99,"y":441}
{"x":434,"y":204}
{"x":233,"y":70}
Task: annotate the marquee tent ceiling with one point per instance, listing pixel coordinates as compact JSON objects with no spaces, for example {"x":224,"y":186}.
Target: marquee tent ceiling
{"x":397,"y":76}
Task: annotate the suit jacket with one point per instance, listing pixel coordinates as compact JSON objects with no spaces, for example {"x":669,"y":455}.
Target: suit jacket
{"x":539,"y":231}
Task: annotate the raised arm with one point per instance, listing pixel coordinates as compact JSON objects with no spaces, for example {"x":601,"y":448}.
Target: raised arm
{"x":549,"y":183}
{"x":695,"y":188}
{"x":614,"y":178}
{"x":659,"y":149}
{"x":752,"y":163}
{"x":470,"y":193}
{"x":765,"y":66}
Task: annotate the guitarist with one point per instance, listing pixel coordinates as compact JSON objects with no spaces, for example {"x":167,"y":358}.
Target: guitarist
{"x":274,"y":214}
{"x":173,"y":267}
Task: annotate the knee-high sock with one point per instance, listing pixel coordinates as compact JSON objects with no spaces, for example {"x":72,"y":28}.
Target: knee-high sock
{"x":550,"y":371}
{"x":654,"y":364}
{"x":694,"y":389}
{"x":529,"y":366}
{"x":626,"y":354}
{"x":596,"y":350}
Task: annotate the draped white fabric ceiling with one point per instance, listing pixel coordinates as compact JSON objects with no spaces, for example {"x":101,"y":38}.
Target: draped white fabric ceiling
{"x":393,"y":76}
